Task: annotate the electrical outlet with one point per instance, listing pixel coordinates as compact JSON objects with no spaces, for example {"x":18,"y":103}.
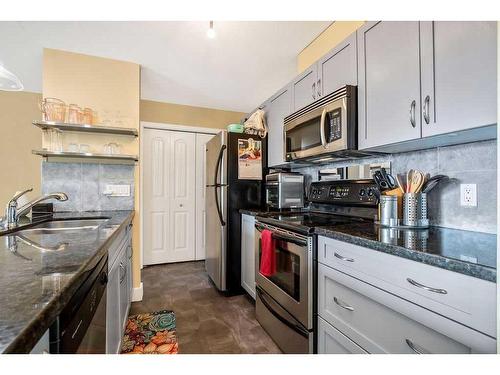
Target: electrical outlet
{"x":468,"y":195}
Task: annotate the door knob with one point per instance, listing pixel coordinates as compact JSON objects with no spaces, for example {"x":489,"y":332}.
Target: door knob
{"x":181,"y":205}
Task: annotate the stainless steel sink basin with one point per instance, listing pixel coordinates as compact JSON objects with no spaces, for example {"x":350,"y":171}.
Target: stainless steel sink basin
{"x":66,"y":225}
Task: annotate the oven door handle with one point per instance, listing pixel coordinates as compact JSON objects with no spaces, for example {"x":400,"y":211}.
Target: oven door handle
{"x":296,"y":326}
{"x":296,"y":241}
{"x":282,"y":237}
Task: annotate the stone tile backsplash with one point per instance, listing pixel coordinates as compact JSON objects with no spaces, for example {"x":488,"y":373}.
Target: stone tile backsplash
{"x":474,"y":163}
{"x":85,"y":183}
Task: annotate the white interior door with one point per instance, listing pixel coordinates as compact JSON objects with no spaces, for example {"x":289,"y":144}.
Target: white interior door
{"x":182,"y":225}
{"x":169,"y":196}
{"x":201,"y":173}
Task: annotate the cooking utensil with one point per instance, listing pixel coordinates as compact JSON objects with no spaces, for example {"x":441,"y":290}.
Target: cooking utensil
{"x":432,"y":182}
{"x":400,"y":185}
{"x":416,"y":182}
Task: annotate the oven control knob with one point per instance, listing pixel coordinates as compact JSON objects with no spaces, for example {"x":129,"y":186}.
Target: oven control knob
{"x":370,"y":192}
{"x":362,"y":192}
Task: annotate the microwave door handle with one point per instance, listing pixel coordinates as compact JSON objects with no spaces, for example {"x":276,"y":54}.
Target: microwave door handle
{"x":322,"y":128}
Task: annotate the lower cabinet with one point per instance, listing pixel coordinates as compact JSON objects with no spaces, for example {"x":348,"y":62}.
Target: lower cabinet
{"x":248,"y":254}
{"x":357,"y":313}
{"x":118,"y":293}
{"x":332,"y":341}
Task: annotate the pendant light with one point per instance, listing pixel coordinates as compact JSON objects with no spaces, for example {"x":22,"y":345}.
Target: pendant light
{"x":8,"y":81}
{"x":211,"y":31}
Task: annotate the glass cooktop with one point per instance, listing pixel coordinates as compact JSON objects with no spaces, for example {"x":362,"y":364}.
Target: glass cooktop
{"x":307,"y":220}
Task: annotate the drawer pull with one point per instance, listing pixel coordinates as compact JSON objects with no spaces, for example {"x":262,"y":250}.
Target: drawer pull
{"x":343,"y":258}
{"x":428,"y":288}
{"x":343,"y":305}
{"x":417,"y":349}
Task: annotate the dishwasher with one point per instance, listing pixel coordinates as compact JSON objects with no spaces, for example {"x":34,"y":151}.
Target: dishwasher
{"x":81,"y":326}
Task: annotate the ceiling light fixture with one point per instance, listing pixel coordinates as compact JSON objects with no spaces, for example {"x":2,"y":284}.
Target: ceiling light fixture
{"x":8,"y":81}
{"x":211,"y":31}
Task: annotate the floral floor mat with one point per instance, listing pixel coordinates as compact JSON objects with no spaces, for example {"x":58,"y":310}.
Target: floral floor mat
{"x":151,"y":333}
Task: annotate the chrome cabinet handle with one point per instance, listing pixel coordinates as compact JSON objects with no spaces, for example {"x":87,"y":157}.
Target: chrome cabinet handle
{"x":412,"y":113}
{"x":314,"y":90}
{"x":415,"y":348}
{"x":343,"y":258}
{"x":428,"y":288}
{"x":319,"y":87}
{"x":343,"y":305}
{"x":426,"y":109}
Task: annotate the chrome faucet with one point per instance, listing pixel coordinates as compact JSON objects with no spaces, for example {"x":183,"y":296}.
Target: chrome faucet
{"x":13,"y":213}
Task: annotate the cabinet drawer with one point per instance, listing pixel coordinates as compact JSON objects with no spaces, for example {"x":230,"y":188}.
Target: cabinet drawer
{"x":465,"y":299}
{"x":332,"y":341}
{"x":380,"y":322}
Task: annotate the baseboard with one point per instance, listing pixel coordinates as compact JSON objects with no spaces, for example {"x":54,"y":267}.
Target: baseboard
{"x":137,"y":294}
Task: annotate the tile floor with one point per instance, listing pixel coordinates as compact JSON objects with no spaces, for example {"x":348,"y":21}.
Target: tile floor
{"x":207,"y":321}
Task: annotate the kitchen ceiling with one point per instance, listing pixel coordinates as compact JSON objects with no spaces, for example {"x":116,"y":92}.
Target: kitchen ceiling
{"x":238,"y":69}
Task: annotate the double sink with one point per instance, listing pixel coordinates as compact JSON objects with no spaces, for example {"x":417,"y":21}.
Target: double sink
{"x":35,"y":235}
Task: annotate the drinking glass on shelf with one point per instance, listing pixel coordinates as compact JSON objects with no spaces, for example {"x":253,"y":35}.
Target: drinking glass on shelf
{"x":84,"y":148}
{"x":74,"y":115}
{"x":95,"y":118}
{"x":88,"y":116}
{"x":53,"y":109}
{"x":56,"y":140}
{"x":73,"y":147}
{"x":106,"y":119}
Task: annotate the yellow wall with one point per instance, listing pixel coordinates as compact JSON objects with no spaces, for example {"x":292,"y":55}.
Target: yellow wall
{"x":152,"y":111}
{"x":20,"y":168}
{"x":104,"y":85}
{"x":328,"y":39}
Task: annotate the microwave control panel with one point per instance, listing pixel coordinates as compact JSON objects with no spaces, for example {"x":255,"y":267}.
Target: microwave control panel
{"x":358,"y":192}
{"x":335,"y":124}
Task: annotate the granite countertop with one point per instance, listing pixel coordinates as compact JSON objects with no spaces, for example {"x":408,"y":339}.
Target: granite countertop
{"x":470,"y":253}
{"x":37,"y":284}
{"x":466,"y":252}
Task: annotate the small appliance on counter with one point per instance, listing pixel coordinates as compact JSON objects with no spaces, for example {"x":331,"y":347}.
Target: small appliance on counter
{"x":284,"y":190}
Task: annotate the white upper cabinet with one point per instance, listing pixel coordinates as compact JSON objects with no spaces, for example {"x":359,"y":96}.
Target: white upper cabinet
{"x":277,"y":108}
{"x":389,"y":83}
{"x":459,"y":69}
{"x":338,"y":67}
{"x":305,"y":88}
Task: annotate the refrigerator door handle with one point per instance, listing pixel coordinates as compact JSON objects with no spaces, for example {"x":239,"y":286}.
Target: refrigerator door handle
{"x":217,"y":185}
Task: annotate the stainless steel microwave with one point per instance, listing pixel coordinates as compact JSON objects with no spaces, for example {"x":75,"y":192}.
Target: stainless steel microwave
{"x":327,"y":126}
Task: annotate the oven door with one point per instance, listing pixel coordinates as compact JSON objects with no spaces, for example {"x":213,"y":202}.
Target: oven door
{"x":291,"y":284}
{"x":319,"y":131}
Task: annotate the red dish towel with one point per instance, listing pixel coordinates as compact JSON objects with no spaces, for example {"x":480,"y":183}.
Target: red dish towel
{"x":268,"y":256}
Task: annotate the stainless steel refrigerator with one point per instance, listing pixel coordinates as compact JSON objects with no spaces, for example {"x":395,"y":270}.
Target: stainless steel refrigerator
{"x":233,"y":182}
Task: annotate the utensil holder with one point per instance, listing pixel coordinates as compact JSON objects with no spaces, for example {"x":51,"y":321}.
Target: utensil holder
{"x":415,"y":210}
{"x":388,"y":210}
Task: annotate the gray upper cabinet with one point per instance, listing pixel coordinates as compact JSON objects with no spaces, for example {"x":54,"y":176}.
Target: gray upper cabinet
{"x":305,"y":88}
{"x":278,"y":107}
{"x":338,"y":67}
{"x":459,"y":66}
{"x":389,"y":83}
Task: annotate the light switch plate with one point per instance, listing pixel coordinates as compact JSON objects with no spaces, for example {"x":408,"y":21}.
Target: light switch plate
{"x":468,"y":195}
{"x":112,"y":190}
